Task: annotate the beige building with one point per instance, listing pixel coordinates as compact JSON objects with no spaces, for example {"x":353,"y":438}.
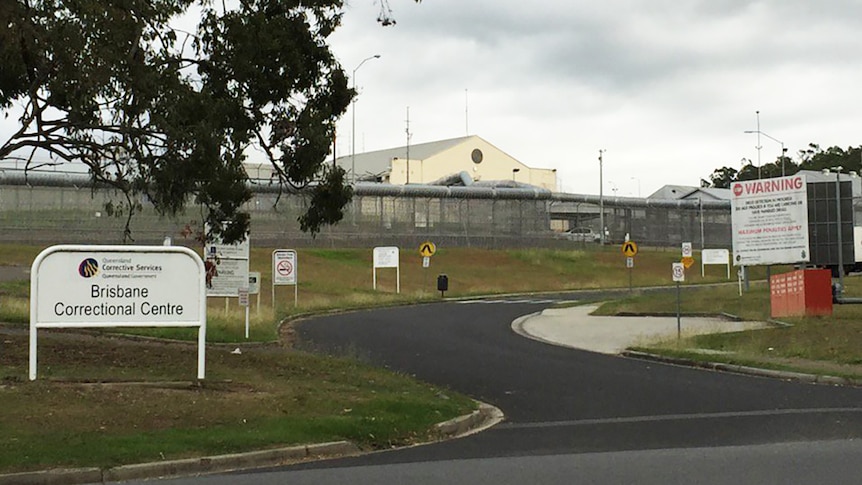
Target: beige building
{"x":434,"y":161}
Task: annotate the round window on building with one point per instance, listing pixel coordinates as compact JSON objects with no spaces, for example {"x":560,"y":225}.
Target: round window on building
{"x":476,"y":155}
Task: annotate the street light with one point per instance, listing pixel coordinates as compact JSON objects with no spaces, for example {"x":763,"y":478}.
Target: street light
{"x":639,"y":185}
{"x":514,"y":171}
{"x":783,"y":150}
{"x":601,"y":200}
{"x":353,"y":127}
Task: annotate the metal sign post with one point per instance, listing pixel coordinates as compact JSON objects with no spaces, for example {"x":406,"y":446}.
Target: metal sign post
{"x":678,"y":276}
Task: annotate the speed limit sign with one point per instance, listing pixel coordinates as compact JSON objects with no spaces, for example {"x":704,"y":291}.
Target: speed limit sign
{"x":678,"y":272}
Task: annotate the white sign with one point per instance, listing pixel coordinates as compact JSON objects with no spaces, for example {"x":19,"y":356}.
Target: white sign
{"x":226,"y":277}
{"x":243,"y":297}
{"x":426,"y":261}
{"x":714,"y":256}
{"x":630,"y":262}
{"x":217,"y":249}
{"x":254,"y":283}
{"x":117,"y":286}
{"x":226,"y":266}
{"x":686,"y":250}
{"x":386,"y":257}
{"x":284,"y":267}
{"x":769,"y":221}
{"x":678,"y":272}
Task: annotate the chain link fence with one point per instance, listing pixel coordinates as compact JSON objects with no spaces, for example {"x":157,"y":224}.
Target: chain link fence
{"x":66,"y":209}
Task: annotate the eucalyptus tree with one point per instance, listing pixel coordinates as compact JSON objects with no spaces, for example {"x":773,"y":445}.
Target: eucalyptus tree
{"x":164,"y":99}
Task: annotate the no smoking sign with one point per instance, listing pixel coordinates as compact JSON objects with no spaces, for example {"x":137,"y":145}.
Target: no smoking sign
{"x":284,"y":267}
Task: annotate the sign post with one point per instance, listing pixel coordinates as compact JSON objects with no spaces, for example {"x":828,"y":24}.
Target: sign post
{"x":426,"y":250}
{"x":630,"y":249}
{"x":678,"y":276}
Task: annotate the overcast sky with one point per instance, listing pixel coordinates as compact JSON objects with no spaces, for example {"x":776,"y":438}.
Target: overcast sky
{"x":667,"y":88}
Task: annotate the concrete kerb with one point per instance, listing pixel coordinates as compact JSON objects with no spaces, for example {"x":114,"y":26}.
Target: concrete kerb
{"x":743,"y":369}
{"x":479,"y":420}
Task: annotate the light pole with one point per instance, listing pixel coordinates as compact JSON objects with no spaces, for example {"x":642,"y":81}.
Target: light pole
{"x":353,"y":127}
{"x":639,"y":185}
{"x":783,"y":150}
{"x":514,"y":171}
{"x":601,"y":200}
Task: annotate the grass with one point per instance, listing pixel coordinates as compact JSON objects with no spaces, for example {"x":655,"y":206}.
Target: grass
{"x":819,"y":345}
{"x":89,"y":409}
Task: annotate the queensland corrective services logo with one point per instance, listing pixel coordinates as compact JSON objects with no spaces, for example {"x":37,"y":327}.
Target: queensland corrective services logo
{"x":88,"y":268}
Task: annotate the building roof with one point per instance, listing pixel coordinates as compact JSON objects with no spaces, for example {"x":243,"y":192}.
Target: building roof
{"x":688,"y":192}
{"x":380,"y":161}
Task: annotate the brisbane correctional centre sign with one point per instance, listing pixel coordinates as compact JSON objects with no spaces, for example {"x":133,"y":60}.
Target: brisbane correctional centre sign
{"x":117,"y":286}
{"x":769,"y":218}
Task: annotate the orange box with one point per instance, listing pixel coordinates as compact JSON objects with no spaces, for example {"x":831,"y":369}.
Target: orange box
{"x":805,"y":292}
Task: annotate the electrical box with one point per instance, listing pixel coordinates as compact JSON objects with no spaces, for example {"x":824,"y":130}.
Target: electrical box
{"x":806,"y":292}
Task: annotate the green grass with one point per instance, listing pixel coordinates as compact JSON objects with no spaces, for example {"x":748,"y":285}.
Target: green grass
{"x":265,"y":397}
{"x":820,"y":345}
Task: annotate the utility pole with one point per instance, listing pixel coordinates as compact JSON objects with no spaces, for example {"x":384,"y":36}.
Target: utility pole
{"x":601,"y":200}
{"x":407,"y":130}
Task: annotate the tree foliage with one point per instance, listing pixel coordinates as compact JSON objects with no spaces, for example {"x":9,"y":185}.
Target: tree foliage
{"x":811,"y":158}
{"x":155,"y":111}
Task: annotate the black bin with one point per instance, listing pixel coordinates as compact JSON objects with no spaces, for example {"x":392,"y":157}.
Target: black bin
{"x":442,"y":283}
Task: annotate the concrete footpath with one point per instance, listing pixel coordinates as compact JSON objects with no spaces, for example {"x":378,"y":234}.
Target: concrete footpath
{"x":574,"y":327}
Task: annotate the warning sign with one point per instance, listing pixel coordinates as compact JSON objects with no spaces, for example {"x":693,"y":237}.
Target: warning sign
{"x":630,"y":249}
{"x":427,"y":249}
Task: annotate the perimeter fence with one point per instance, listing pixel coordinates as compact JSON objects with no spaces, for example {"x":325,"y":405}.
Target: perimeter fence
{"x":54,"y":208}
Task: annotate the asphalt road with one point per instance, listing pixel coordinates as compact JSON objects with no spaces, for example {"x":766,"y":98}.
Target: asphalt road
{"x":606,"y":419}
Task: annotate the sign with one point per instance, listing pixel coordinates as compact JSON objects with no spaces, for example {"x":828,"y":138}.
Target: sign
{"x":427,"y":249}
{"x":226,"y":276}
{"x":686,"y":250}
{"x":226,"y":266}
{"x":426,"y":261}
{"x":714,"y":256}
{"x":243,"y":297}
{"x":769,"y":220}
{"x":630,"y":262}
{"x":687,"y":261}
{"x":678,"y":272}
{"x":630,"y":248}
{"x":254,"y":283}
{"x":284,"y":267}
{"x":117,"y":286}
{"x":386,"y":257}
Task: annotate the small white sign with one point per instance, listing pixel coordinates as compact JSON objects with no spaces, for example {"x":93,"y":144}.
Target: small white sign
{"x":426,"y":261}
{"x":678,"y":272}
{"x":284,"y":267}
{"x":686,"y":250}
{"x":715,"y":256}
{"x":253,"y":282}
{"x":386,"y":257}
{"x":630,"y":262}
{"x":243,"y":297}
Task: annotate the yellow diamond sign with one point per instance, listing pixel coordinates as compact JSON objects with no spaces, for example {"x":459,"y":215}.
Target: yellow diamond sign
{"x":687,"y":261}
